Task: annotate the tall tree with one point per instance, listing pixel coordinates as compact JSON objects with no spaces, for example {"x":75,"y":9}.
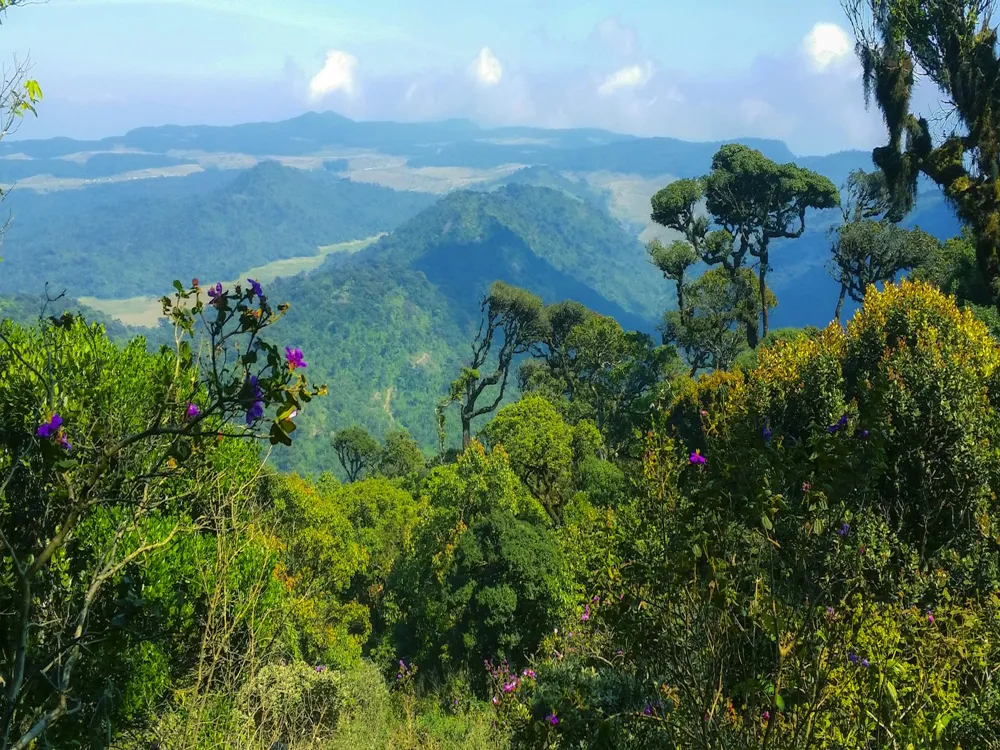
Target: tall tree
{"x":357,"y":451}
{"x":514,"y":321}
{"x":870,"y":252}
{"x":720,"y":308}
{"x":954,"y":45}
{"x":756,"y":201}
{"x":673,"y":261}
{"x":675,"y":207}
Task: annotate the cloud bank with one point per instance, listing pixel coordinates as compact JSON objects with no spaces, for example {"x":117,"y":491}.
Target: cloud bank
{"x":808,"y":95}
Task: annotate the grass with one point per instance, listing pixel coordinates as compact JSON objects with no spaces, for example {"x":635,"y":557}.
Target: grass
{"x":145,"y":312}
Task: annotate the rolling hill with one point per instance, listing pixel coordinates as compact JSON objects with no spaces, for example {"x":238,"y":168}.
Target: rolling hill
{"x":128,"y":239}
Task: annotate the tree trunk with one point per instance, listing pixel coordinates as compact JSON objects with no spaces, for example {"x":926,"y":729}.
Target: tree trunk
{"x":762,"y":288}
{"x":466,"y":431}
{"x":840,"y":302}
{"x":752,"y":338}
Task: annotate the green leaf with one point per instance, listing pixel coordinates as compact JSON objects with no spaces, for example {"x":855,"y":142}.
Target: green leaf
{"x":766,"y":522}
{"x":779,"y":702}
{"x":279,"y":436}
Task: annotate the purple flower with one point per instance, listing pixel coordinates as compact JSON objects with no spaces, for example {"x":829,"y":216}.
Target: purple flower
{"x":586,"y":614}
{"x":930,"y":617}
{"x":853,"y":658}
{"x":840,"y":424}
{"x":696,"y":458}
{"x":648,"y":710}
{"x":845,"y":527}
{"x":766,"y":716}
{"x":495,"y":700}
{"x":192,"y":411}
{"x":831,"y":613}
{"x":256,"y":411}
{"x":766,"y":432}
{"x":510,"y":687}
{"x":552,"y":719}
{"x":294,"y":357}
{"x":50,"y":428}
{"x":255,"y":288}
{"x":864,"y":663}
{"x":215,"y":292}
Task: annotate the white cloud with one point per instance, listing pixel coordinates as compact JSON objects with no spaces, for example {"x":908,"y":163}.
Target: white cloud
{"x":338,"y":74}
{"x":631,"y":77}
{"x":487,"y":68}
{"x":615,"y":36}
{"x":827,"y":44}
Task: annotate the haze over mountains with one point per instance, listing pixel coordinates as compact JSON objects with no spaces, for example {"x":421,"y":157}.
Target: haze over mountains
{"x":563,"y":213}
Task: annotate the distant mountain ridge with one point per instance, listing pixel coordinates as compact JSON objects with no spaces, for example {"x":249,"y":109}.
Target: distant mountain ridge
{"x":113,"y":241}
{"x":459,"y":143}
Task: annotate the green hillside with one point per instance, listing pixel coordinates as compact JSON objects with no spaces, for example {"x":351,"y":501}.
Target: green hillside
{"x":92,"y":243}
{"x":388,"y":328}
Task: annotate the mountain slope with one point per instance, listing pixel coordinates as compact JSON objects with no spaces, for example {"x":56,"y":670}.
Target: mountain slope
{"x":575,"y":238}
{"x":388,"y":328}
{"x":94,"y":244}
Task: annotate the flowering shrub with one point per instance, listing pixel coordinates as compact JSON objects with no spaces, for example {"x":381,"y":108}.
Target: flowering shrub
{"x":112,"y":456}
{"x":812,"y":559}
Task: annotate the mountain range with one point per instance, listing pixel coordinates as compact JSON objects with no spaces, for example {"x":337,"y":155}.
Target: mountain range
{"x":456,"y":207}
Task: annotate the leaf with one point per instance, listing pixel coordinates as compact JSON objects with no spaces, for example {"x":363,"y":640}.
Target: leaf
{"x":779,"y":702}
{"x":279,"y":436}
{"x":766,"y":522}
{"x":696,"y":549}
{"x":891,"y":690}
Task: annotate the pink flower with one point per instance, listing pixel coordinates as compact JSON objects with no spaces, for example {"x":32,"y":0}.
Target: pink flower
{"x":586,"y":614}
{"x":696,"y":458}
{"x":552,"y":719}
{"x":930,"y":617}
{"x":766,"y":716}
{"x":192,"y":411}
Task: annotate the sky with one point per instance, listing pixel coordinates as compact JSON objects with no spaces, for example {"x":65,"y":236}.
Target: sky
{"x":705,"y":70}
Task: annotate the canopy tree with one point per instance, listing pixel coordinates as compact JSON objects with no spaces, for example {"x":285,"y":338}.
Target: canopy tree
{"x":514,"y":321}
{"x":357,"y":451}
{"x":712,"y":329}
{"x":869,"y":252}
{"x":954,"y":45}
{"x":757,"y":200}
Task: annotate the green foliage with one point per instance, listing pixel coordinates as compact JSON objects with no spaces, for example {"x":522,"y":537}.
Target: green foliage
{"x":954,"y":45}
{"x":485,"y":580}
{"x":952,"y":268}
{"x":110,"y":455}
{"x":868,"y":252}
{"x":358,"y":452}
{"x":540,"y":446}
{"x":827,"y":576}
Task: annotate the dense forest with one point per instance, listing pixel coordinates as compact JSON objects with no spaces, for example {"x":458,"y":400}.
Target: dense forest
{"x":595,"y":493}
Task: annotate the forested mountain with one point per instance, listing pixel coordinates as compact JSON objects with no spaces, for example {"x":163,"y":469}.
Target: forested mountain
{"x":123,"y":239}
{"x":389,"y":328}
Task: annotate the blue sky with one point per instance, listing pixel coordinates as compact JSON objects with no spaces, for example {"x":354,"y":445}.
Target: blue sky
{"x":702,"y":70}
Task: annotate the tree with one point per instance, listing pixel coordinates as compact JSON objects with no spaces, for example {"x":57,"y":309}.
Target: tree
{"x":105,"y":455}
{"x":756,"y":200}
{"x":540,"y":446}
{"x":720,"y":307}
{"x":673,"y":261}
{"x":517,"y":319}
{"x":357,"y":451}
{"x":400,"y":456}
{"x":675,"y":207}
{"x":869,"y":252}
{"x":954,"y":45}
